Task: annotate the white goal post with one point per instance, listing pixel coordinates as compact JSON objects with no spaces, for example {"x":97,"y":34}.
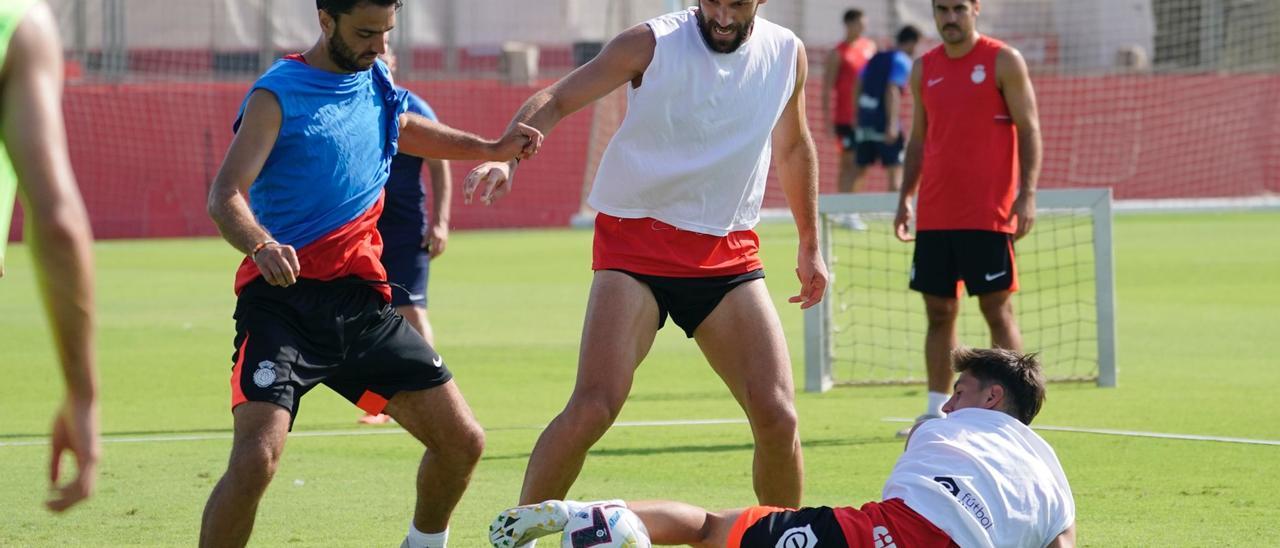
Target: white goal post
{"x":870,"y":327}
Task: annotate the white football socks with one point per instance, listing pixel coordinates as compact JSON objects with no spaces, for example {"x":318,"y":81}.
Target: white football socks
{"x":418,"y":539}
{"x":936,"y":401}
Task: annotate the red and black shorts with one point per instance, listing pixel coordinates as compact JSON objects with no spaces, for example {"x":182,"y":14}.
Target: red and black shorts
{"x":688,"y":272}
{"x":887,"y":524}
{"x":339,"y":333}
{"x":982,"y":259}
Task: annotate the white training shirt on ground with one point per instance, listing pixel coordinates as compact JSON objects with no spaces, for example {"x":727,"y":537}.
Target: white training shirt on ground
{"x":985,"y":479}
{"x":693,"y":150}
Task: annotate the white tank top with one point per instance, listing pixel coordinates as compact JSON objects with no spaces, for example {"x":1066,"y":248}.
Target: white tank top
{"x":985,"y":479}
{"x":693,"y":150}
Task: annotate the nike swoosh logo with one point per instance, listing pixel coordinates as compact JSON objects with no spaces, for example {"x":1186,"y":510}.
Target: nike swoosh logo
{"x":437,"y":361}
{"x":935,"y":81}
{"x":989,"y":277}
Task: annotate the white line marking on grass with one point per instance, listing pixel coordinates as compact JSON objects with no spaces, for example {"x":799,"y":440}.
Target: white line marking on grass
{"x":1133,"y":434}
{"x":350,"y":433}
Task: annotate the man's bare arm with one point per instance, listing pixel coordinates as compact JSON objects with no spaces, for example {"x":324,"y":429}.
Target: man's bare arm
{"x":441,"y":199}
{"x":425,"y":138}
{"x":37,"y":143}
{"x":892,"y":113}
{"x":60,"y":236}
{"x":624,"y":59}
{"x":1019,"y":96}
{"x":914,"y":164}
{"x":797,"y":160}
{"x":229,"y":195}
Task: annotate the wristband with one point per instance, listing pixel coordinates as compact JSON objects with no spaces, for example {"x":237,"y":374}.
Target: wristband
{"x":254,"y":254}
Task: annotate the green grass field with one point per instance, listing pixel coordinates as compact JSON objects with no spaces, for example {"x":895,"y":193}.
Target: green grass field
{"x":1198,"y":302}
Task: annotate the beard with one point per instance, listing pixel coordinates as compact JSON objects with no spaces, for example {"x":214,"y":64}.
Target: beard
{"x":952,"y":39}
{"x":344,"y":57}
{"x":740,"y":34}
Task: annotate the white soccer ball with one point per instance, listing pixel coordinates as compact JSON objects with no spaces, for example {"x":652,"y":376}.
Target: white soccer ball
{"x":605,"y":526}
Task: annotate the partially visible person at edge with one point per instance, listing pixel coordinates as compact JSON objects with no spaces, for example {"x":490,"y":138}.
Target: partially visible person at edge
{"x":35,"y":165}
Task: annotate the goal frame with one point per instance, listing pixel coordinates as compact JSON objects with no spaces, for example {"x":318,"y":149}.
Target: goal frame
{"x":818,"y":347}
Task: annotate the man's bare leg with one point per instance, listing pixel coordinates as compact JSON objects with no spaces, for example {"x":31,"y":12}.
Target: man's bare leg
{"x":417,"y":318}
{"x":894,"y":176}
{"x":440,"y":418}
{"x":260,"y":432}
{"x":621,"y":323}
{"x":940,"y":341}
{"x":743,"y":341}
{"x":997,"y":308}
{"x":847,"y":172}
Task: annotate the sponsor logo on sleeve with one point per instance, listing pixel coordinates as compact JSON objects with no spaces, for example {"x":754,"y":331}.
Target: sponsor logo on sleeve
{"x":969,"y":500}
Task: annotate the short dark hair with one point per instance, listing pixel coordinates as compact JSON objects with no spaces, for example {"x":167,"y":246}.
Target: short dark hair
{"x":908,"y":34}
{"x":1018,"y":373}
{"x":852,"y":14}
{"x":336,"y":8}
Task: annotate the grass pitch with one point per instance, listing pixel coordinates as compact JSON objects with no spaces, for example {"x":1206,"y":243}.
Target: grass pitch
{"x":1197,"y":301}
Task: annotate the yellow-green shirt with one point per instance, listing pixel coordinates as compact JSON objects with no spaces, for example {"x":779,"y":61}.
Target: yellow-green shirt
{"x":11,"y":14}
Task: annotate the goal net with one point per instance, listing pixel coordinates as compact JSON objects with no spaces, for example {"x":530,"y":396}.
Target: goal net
{"x":870,"y":328}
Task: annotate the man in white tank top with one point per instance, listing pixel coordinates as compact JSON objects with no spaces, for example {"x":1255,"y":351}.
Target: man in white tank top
{"x":978,"y":478}
{"x":715,"y":93}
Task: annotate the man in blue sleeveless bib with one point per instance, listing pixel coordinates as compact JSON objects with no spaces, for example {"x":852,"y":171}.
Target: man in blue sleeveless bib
{"x":299,"y":193}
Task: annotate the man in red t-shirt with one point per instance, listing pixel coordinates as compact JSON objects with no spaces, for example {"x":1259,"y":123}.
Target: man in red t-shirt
{"x":843,"y":65}
{"x":974,"y":157}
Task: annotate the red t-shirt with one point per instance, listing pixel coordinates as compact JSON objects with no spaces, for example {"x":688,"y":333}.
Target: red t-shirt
{"x":971,"y":147}
{"x":853,"y":58}
{"x":353,"y":249}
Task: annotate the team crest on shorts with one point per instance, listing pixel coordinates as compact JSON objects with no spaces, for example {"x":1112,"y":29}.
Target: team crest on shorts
{"x":979,"y":74}
{"x":266,"y":374}
{"x":798,"y":537}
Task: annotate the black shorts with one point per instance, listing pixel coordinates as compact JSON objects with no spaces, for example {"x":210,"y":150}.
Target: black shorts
{"x":340,"y":333}
{"x":845,"y":134}
{"x":982,"y":259}
{"x":690,"y":300}
{"x":408,"y":268}
{"x":874,"y":524}
{"x":888,"y":154}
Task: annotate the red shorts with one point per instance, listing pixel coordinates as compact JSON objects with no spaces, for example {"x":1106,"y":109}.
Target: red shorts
{"x":654,"y":248}
{"x":888,"y":524}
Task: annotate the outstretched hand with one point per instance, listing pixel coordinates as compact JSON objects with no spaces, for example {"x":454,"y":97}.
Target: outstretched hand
{"x":497,"y":178}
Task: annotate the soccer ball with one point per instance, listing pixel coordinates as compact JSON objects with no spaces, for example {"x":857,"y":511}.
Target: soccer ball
{"x":605,"y":526}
